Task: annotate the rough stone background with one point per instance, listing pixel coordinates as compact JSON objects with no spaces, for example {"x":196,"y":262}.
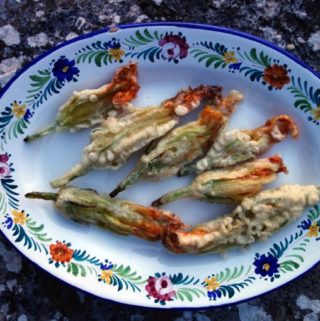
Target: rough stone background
{"x":28,"y":28}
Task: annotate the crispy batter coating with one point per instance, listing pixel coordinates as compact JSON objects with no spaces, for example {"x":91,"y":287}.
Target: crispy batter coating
{"x":118,"y":138}
{"x":120,"y":216}
{"x":236,"y":146}
{"x":90,"y":107}
{"x":256,"y":218}
{"x":183,"y":144}
{"x":229,"y":185}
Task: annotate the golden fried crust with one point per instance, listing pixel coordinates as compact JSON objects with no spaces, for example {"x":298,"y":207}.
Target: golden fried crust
{"x":190,"y":98}
{"x":284,"y":124}
{"x":126,"y":77}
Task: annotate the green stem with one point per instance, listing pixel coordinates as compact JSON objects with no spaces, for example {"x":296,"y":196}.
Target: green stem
{"x":131,"y":179}
{"x":41,"y":133}
{"x":43,"y":195}
{"x":173,"y":196}
{"x":74,"y":172}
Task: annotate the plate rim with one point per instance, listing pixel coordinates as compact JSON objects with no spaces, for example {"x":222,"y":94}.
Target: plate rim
{"x":189,"y":25}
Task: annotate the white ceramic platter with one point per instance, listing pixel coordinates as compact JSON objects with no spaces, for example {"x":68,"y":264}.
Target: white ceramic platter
{"x":170,"y":57}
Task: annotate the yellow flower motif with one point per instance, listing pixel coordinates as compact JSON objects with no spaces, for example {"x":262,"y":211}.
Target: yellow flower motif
{"x":116,"y":53}
{"x":19,"y":110}
{"x":19,"y":217}
{"x":316,"y":112}
{"x":212,"y":283}
{"x":266,"y":267}
{"x":313,"y":230}
{"x":106,"y":276}
{"x":229,"y":57}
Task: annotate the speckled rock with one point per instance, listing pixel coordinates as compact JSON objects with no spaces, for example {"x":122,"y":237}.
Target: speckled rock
{"x":28,"y":28}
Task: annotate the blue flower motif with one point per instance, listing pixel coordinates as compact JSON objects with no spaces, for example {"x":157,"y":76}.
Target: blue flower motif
{"x":114,"y":43}
{"x":8,"y":223}
{"x":305,"y":225}
{"x":64,"y":69}
{"x":27,"y":115}
{"x":266,"y":265}
{"x":106,"y":266}
{"x":235,"y":66}
{"x":213,"y":295}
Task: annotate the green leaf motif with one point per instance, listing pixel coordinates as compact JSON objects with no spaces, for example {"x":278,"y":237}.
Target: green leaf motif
{"x":9,"y":187}
{"x":227,"y":275}
{"x":184,"y":280}
{"x":150,"y":54}
{"x":279,"y":249}
{"x":82,"y":256}
{"x":53,"y":86}
{"x":76,"y":269}
{"x":126,"y":273}
{"x":28,"y":241}
{"x":37,"y":231}
{"x":189,"y":293}
{"x":307,"y":98}
{"x":261,"y":59}
{"x":314,"y":214}
{"x":253,"y":73}
{"x":142,"y":38}
{"x":209,"y":59}
{"x":288,"y":266}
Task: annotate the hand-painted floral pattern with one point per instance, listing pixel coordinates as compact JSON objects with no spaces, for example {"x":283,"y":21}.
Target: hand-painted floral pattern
{"x":19,"y":217}
{"x":160,"y":288}
{"x":174,"y":46}
{"x":151,"y":45}
{"x":60,"y":252}
{"x":64,"y":69}
{"x":266,"y":265}
{"x":8,"y":191}
{"x":4,"y":170}
{"x":106,"y":273}
{"x":307,"y":98}
{"x":50,"y":81}
{"x":311,"y":225}
{"x":14,"y":120}
{"x":276,"y":76}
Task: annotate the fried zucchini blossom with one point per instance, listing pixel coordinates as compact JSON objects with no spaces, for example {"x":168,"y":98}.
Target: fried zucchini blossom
{"x":256,"y":218}
{"x":236,"y":146}
{"x":229,"y":185}
{"x":117,"y":139}
{"x":89,"y":107}
{"x":119,"y":216}
{"x":183,"y":144}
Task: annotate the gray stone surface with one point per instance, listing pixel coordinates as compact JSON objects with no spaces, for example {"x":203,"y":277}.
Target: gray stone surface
{"x":29,"y":27}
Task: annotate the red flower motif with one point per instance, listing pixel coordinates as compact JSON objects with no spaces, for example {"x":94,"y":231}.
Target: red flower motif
{"x":60,"y":252}
{"x":160,"y":288}
{"x":276,"y":76}
{"x":4,"y":158}
{"x":174,"y":46}
{"x":4,"y":170}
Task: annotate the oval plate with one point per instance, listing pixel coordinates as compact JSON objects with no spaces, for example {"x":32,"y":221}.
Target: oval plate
{"x":127,"y":269}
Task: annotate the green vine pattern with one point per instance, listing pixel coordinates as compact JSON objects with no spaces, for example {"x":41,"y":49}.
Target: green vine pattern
{"x":27,"y":231}
{"x":219,"y":285}
{"x":144,"y":45}
{"x":163,"y":288}
{"x":14,"y":120}
{"x":307,"y":98}
{"x":120,"y":276}
{"x":101,"y":53}
{"x":48,"y":82}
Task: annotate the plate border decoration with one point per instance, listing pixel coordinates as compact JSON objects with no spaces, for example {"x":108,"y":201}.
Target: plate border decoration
{"x":172,"y":46}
